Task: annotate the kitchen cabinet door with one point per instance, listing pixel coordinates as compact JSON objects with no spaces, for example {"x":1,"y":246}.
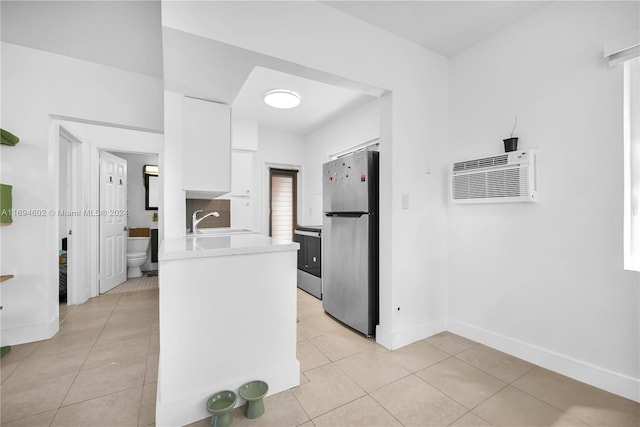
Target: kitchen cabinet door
{"x":206,"y":140}
{"x":241,"y":173}
{"x":241,"y":212}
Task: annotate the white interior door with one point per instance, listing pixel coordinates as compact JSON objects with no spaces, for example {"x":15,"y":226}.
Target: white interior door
{"x":113,"y":221}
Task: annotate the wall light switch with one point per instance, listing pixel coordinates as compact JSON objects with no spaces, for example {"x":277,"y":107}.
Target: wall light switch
{"x":404,"y":201}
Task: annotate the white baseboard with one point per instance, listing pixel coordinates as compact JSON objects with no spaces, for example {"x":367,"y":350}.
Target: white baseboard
{"x":605,"y":379}
{"x":394,"y":340}
{"x":31,"y":333}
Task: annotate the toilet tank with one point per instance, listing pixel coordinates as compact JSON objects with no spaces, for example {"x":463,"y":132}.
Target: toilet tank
{"x":137,"y":244}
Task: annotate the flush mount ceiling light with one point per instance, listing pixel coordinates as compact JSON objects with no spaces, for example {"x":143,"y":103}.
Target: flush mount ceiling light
{"x":282,"y":98}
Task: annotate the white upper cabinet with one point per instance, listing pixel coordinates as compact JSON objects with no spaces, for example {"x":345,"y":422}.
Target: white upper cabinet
{"x":241,"y":173}
{"x":206,"y":141}
{"x":244,"y":135}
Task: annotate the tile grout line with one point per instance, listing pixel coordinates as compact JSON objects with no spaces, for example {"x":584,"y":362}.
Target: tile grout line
{"x":83,"y":363}
{"x":144,"y":377}
{"x":562,"y":411}
{"x":20,"y":362}
{"x":85,"y":360}
{"x":385,"y":409}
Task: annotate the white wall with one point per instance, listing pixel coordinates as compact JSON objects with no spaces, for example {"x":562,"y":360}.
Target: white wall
{"x":355,"y":128}
{"x":546,"y":281}
{"x":36,"y":85}
{"x":413,"y":138}
{"x":280,"y":150}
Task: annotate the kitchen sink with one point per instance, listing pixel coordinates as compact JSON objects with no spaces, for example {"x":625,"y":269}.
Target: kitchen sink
{"x":220,"y":231}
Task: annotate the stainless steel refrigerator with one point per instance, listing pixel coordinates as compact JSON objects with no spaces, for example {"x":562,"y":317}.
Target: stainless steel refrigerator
{"x":350,"y":240}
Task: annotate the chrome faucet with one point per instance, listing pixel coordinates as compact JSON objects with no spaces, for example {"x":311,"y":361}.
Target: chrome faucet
{"x":195,"y":221}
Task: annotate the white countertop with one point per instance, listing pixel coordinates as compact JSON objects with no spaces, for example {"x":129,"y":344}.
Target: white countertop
{"x":203,"y":246}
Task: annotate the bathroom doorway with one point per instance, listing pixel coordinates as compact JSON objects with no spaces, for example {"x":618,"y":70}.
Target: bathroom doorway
{"x":84,"y":243}
{"x":136,"y":232}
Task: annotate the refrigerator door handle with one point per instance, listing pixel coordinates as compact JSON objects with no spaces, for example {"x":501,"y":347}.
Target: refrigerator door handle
{"x":346,"y":214}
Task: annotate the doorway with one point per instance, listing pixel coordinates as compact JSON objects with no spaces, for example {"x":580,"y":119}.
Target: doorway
{"x":283,"y":202}
{"x":72,"y":271}
{"x":83,"y":281}
{"x":139,"y":225}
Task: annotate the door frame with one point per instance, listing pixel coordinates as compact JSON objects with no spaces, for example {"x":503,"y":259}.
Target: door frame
{"x":94,"y":137}
{"x":265,"y":185}
{"x":77,"y":255}
{"x":284,"y":172}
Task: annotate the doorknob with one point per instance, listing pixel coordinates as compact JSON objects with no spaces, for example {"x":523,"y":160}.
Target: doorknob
{"x":125,"y":228}
{"x":70,"y":232}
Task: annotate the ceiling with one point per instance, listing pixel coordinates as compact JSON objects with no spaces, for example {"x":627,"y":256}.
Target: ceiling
{"x":445,"y":27}
{"x":129,"y":35}
{"x":121,"y":34}
{"x":320,"y":102}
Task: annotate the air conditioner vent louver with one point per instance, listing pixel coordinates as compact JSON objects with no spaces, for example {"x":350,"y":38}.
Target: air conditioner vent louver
{"x":509,"y":177}
{"x":480,"y":163}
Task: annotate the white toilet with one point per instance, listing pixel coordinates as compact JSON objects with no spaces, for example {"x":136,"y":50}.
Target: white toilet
{"x":136,"y":255}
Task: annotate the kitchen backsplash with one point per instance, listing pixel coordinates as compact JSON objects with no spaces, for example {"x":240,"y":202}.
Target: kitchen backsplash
{"x":221,"y":205}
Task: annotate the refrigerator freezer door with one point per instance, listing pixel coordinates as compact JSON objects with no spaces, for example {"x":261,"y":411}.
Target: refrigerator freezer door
{"x":345,"y":271}
{"x":346,"y":183}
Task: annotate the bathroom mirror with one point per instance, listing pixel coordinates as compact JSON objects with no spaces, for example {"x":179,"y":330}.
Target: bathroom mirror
{"x":152,"y":192}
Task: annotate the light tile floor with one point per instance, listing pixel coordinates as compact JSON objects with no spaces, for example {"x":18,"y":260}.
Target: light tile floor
{"x":101,"y":369}
{"x":149,"y":280}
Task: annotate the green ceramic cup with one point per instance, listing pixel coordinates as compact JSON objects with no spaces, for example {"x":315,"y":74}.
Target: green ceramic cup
{"x":220,"y":406}
{"x":253,"y":392}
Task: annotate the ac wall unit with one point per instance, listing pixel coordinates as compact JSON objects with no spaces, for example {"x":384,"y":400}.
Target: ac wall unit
{"x":505,"y":178}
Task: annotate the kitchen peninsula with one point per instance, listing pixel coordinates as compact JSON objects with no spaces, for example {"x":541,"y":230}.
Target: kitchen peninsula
{"x":227,"y":316}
